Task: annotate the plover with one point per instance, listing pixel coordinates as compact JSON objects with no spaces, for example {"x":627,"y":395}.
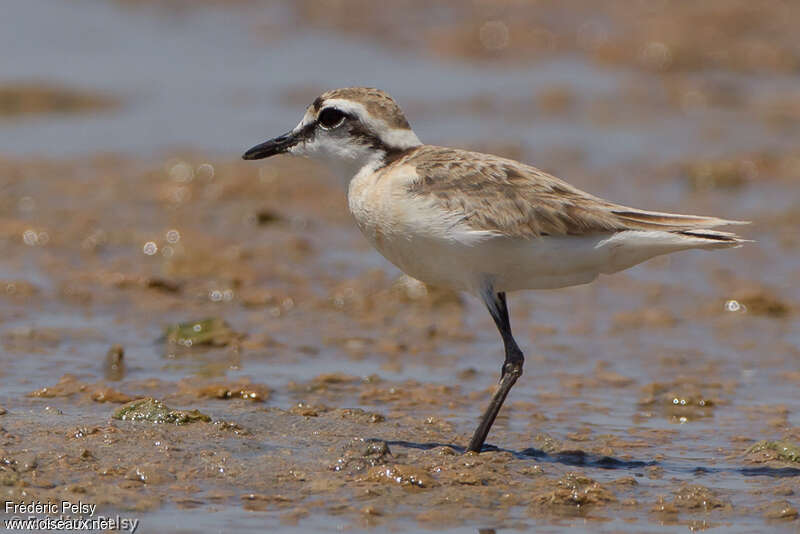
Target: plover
{"x":474,"y":222}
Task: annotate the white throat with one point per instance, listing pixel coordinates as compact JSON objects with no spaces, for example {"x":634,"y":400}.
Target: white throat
{"x":347,"y":169}
{"x":344,"y":160}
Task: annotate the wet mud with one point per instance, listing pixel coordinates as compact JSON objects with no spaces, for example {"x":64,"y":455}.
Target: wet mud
{"x":188,"y":376}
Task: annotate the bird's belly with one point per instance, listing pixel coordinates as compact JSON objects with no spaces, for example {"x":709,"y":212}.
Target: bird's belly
{"x":428,"y":260}
{"x":509,"y":264}
{"x":553,"y":262}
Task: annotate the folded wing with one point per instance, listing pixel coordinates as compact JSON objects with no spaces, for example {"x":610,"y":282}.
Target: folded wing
{"x":506,"y":197}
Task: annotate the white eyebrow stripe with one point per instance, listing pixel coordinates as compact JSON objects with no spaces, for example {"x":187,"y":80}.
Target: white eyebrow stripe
{"x":401,"y":138}
{"x":348,"y":106}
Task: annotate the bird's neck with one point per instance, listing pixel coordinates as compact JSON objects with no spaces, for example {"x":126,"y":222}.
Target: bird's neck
{"x":368,"y":162}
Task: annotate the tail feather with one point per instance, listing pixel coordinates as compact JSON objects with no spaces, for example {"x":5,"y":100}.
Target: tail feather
{"x":670,"y":221}
{"x":713,"y":238}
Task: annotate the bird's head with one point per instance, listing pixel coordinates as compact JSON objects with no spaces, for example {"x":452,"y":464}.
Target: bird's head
{"x":346,"y":128}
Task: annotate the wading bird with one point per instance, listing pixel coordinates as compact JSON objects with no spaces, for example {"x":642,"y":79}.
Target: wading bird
{"x":475,"y":222}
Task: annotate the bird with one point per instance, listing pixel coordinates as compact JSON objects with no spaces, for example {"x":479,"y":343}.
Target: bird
{"x":477,"y":223}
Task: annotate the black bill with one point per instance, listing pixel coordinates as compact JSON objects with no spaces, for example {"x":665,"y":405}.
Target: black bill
{"x":279,"y":145}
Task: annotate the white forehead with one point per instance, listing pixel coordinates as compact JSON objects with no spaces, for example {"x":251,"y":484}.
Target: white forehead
{"x":395,"y":137}
{"x":307,"y":119}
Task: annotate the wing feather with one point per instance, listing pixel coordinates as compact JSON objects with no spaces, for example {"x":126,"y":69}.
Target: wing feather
{"x":500,"y":195}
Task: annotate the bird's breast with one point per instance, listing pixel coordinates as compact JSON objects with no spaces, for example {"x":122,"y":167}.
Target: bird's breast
{"x":406,"y":229}
{"x":378,"y":204}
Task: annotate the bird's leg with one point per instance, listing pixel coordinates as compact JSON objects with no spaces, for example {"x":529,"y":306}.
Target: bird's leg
{"x":511,"y":371}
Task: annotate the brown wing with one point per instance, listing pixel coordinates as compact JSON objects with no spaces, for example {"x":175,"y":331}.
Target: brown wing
{"x":517,"y":200}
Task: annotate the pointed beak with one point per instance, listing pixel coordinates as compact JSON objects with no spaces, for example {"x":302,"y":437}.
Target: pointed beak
{"x":279,"y":145}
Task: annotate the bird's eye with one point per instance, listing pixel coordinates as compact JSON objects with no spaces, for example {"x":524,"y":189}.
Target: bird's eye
{"x":330,"y":118}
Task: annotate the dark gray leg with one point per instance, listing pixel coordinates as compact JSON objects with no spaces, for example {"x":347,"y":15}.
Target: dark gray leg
{"x":511,"y":371}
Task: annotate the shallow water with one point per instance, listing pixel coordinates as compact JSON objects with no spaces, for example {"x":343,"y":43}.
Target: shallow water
{"x":325,"y":322}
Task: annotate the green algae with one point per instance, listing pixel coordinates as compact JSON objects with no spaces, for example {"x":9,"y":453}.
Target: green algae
{"x":155,"y":411}
{"x":781,"y":450}
{"x":213,"y":332}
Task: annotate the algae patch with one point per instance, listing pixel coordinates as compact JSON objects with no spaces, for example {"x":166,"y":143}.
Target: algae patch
{"x":775,"y":450}
{"x":155,"y":411}
{"x":213,"y":332}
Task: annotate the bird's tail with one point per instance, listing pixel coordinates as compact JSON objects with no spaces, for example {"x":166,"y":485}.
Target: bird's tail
{"x":656,"y":220}
{"x":711,"y":239}
{"x":694,"y":229}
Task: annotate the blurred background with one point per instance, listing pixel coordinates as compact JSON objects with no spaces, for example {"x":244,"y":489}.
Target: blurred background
{"x":142,"y":258}
{"x":621,"y":81}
